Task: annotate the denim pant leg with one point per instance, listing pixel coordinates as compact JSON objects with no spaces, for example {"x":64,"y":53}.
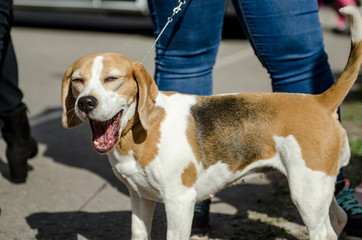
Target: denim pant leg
{"x":288,"y":40}
{"x":10,"y":94}
{"x":186,"y":52}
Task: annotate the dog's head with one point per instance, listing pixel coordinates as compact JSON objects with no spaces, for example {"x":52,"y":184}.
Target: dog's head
{"x":109,"y":90}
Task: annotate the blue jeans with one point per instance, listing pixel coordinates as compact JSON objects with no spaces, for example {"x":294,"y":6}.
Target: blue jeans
{"x":286,"y":37}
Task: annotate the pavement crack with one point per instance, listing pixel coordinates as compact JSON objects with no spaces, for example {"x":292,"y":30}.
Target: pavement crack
{"x":94,"y":195}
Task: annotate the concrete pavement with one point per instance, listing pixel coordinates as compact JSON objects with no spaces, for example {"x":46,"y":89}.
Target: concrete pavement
{"x":71,"y":192}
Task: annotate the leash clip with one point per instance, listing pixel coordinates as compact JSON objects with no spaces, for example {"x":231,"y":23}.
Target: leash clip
{"x":169,"y":20}
{"x":178,"y":8}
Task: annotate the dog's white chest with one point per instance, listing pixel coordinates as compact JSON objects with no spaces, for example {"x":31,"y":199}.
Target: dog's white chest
{"x":133,"y":175}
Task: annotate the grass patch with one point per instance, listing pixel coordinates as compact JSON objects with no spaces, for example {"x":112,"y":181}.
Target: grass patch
{"x":352,"y":111}
{"x":354,"y":169}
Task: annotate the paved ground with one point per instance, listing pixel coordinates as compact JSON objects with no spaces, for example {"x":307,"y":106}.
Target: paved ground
{"x":71,"y":192}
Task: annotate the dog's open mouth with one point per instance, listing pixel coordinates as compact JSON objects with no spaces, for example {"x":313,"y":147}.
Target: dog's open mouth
{"x":105,"y":134}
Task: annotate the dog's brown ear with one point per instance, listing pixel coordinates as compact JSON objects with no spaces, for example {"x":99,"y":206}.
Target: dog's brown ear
{"x":69,"y":118}
{"x":147,"y":93}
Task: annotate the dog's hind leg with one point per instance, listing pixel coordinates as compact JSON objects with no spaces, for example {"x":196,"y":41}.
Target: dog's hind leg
{"x":311,"y":190}
{"x":313,"y":195}
{"x":142,"y":213}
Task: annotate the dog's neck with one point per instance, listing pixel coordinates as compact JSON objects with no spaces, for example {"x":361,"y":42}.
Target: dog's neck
{"x":141,"y":142}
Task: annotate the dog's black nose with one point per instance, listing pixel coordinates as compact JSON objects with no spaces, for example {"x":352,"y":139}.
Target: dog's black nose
{"x":87,"y":104}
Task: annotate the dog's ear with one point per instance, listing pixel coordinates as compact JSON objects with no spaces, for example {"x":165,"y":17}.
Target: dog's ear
{"x":147,"y":93}
{"x":69,"y":118}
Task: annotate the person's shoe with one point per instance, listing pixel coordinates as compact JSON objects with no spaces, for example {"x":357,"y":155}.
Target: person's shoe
{"x":353,"y":209}
{"x":200,"y":222}
{"x":20,"y":145}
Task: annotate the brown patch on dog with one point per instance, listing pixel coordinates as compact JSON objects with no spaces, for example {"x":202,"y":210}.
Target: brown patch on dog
{"x":69,"y":95}
{"x":69,"y":118}
{"x":189,"y":175}
{"x":318,"y":131}
{"x":238,"y":129}
{"x":147,"y":93}
{"x":143,"y":143}
{"x":170,"y":93}
{"x":191,"y":138}
{"x":233,"y":129}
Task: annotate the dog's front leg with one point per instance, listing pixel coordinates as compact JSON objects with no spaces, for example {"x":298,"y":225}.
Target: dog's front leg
{"x":179,"y":213}
{"x":142,"y":213}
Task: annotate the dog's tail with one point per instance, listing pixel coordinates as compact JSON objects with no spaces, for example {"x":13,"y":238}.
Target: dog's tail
{"x":334,"y":96}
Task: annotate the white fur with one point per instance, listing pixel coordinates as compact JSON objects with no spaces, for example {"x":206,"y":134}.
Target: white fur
{"x":311,"y":191}
{"x":346,"y":152}
{"x":354,"y":19}
{"x":134,"y":176}
{"x":173,"y":143}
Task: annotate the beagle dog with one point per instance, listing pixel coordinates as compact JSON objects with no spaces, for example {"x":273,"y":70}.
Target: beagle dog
{"x":179,"y":149}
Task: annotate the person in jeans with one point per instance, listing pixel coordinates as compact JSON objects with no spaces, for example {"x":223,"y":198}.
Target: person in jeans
{"x":287,"y":39}
{"x":13,"y":118}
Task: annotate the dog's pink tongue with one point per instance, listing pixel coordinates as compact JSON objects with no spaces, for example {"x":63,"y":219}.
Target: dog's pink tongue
{"x":103,"y":135}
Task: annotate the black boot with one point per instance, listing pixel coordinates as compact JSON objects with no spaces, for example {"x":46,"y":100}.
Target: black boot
{"x":20,"y":145}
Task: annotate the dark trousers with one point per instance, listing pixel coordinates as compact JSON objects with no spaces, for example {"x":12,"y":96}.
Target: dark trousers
{"x":10,"y":94}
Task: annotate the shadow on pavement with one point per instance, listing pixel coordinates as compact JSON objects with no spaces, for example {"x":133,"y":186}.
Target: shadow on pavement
{"x":73,"y":147}
{"x":92,"y":226}
{"x":116,"y":225}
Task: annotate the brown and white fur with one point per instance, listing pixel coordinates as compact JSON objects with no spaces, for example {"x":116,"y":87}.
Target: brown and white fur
{"x":179,"y":149}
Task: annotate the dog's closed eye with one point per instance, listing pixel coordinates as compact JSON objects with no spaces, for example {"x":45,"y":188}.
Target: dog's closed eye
{"x":109,"y":79}
{"x":79,"y":80}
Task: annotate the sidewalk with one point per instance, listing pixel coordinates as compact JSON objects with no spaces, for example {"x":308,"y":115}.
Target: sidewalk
{"x":71,"y":191}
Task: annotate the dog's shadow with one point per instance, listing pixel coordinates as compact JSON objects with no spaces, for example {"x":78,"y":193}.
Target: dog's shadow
{"x":116,"y":225}
{"x":73,"y":147}
{"x":86,"y":225}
